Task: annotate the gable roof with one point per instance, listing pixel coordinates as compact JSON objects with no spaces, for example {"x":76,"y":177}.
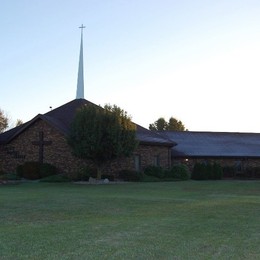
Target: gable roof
{"x":62,"y":117}
{"x":214,"y":144}
{"x":146,"y":136}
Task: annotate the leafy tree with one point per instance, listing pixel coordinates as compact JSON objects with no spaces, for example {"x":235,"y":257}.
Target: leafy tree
{"x":172,"y":125}
{"x":4,"y":121}
{"x":175,"y":125}
{"x":102,"y":135}
{"x":159,"y":125}
{"x":18,"y":122}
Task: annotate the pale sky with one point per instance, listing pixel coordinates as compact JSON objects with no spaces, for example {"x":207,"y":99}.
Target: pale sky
{"x":195,"y":60}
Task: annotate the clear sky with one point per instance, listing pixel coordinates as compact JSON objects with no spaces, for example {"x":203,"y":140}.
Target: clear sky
{"x":195,"y":60}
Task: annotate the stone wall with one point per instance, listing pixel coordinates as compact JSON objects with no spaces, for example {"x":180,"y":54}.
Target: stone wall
{"x":149,"y":153}
{"x":58,"y":153}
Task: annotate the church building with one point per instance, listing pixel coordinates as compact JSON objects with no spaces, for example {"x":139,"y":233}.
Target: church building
{"x":44,"y":139}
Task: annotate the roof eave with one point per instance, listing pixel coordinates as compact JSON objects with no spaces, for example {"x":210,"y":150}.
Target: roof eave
{"x":156,"y":143}
{"x":32,"y":121}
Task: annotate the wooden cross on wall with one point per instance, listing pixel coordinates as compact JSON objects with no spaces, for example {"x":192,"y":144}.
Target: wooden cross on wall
{"x":41,"y":143}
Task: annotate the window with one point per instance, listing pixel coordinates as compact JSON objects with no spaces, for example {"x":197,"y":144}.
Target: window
{"x":137,"y":162}
{"x":238,"y":166}
{"x":156,"y":160}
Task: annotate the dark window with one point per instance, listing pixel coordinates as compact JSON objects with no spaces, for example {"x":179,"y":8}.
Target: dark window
{"x":137,"y":162}
{"x":157,"y":160}
{"x":238,"y":166}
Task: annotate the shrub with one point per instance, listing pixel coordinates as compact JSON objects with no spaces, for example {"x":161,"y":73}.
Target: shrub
{"x":29,"y":170}
{"x":179,"y":172}
{"x":256,"y":173}
{"x":155,"y":171}
{"x":202,"y":171}
{"x":84,"y":173}
{"x":129,"y":175}
{"x":47,"y":169}
{"x":146,"y":178}
{"x":35,"y":170}
{"x":208,"y":171}
{"x":229,"y":171}
{"x":19,"y":170}
{"x":2,"y":173}
{"x":199,"y":172}
{"x":217,"y":172}
{"x":107,"y":176}
{"x":249,"y":173}
{"x":55,"y":178}
{"x":9,"y":176}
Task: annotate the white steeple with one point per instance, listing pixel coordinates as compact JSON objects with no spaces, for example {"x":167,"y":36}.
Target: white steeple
{"x":80,"y":84}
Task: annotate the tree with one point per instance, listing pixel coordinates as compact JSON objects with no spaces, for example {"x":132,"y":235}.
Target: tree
{"x":175,"y":125}
{"x":159,"y":125}
{"x":162,"y":125}
{"x":102,"y":135}
{"x":18,"y":122}
{"x":4,"y":121}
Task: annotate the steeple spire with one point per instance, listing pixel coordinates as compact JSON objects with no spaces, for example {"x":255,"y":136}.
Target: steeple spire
{"x":80,"y":84}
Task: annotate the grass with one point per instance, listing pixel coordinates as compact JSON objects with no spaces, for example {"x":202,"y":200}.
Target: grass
{"x":173,"y":220}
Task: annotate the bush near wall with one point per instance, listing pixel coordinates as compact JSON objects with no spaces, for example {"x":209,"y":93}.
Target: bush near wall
{"x":47,"y":169}
{"x":178,"y":172}
{"x":247,"y":173}
{"x":55,"y":178}
{"x":253,"y":172}
{"x":129,"y":175}
{"x":84,"y":173}
{"x":2,"y":173}
{"x":202,"y":171}
{"x":9,"y":176}
{"x":35,"y":170}
{"x":154,"y":171}
{"x":199,"y":172}
{"x":229,"y":171}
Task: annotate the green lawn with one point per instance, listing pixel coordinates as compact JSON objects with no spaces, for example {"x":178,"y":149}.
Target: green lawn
{"x":174,"y":220}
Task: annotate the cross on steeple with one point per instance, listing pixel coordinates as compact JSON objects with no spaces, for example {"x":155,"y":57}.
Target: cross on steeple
{"x":41,"y":144}
{"x":80,"y":83}
{"x":82,"y":27}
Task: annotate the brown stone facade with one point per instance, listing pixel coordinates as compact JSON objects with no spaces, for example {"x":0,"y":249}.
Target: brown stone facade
{"x":27,"y":147}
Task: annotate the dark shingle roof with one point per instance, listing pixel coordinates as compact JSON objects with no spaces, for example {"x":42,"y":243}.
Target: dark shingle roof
{"x":214,"y":144}
{"x":62,"y":117}
{"x":149,"y":137}
{"x":4,"y":137}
